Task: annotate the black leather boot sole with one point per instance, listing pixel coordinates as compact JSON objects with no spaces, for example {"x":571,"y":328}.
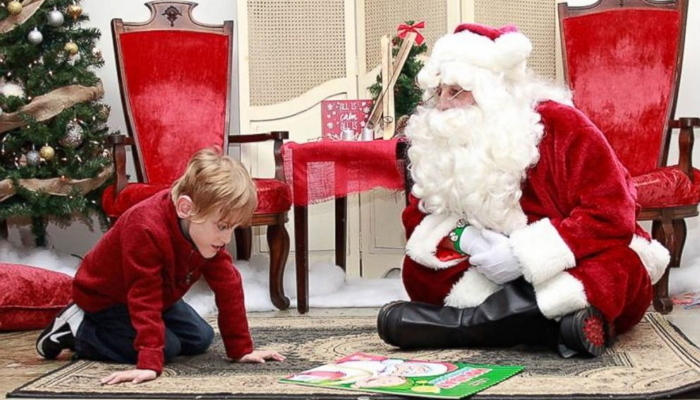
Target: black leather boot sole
{"x":584,"y":332}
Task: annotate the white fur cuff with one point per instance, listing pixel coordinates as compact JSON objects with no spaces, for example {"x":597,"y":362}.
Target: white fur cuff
{"x":561,"y":295}
{"x":471,"y":290}
{"x":654,"y":256}
{"x":422,"y":245}
{"x":541,"y":251}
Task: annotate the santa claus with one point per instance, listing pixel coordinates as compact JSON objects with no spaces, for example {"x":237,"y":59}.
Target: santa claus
{"x":522,"y":222}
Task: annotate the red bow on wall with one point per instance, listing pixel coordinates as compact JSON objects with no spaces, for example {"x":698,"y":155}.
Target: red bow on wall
{"x":403,"y":30}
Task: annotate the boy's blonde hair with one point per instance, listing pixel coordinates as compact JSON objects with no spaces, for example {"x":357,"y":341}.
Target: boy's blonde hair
{"x":217,"y":183}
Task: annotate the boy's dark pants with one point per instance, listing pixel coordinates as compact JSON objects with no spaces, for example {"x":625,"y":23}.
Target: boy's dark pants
{"x":109,"y":336}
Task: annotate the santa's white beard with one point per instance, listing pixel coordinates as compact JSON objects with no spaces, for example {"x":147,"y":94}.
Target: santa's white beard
{"x":471,"y":163}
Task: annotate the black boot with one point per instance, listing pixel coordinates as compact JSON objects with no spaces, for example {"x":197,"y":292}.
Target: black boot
{"x":506,"y":318}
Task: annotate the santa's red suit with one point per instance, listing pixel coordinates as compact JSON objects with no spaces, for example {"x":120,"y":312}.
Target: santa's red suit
{"x":581,"y":245}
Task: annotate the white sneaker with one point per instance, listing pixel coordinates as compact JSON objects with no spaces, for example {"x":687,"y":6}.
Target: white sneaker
{"x":60,"y":334}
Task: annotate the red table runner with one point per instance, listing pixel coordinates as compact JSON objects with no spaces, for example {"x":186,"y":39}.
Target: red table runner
{"x":325,"y":170}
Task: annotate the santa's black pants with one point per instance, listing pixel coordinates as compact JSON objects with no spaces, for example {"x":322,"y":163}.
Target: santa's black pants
{"x":508,"y":317}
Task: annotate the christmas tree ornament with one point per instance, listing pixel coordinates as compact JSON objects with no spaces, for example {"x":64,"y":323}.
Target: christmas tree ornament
{"x":1,"y":111}
{"x":103,"y":112}
{"x":107,"y":154}
{"x":11,"y":89}
{"x":97,"y":52}
{"x":75,"y":11}
{"x":47,"y":152}
{"x":71,"y":48}
{"x":14,"y":7}
{"x":33,"y":158}
{"x":74,"y":135}
{"x":35,"y":37}
{"x":72,"y":59}
{"x":55,"y":18}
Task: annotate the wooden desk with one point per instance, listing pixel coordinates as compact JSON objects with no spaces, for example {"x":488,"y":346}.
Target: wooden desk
{"x":332,"y":170}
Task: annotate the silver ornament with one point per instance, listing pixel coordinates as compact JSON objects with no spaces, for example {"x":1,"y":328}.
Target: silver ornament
{"x":33,"y":158}
{"x":55,"y":18}
{"x":35,"y":37}
{"x":1,"y":111}
{"x":73,"y":137}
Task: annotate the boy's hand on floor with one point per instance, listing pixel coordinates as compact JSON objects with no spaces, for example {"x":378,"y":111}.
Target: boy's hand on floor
{"x":259,"y":356}
{"x":132,"y":375}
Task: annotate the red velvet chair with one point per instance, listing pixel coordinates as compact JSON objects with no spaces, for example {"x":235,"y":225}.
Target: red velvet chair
{"x":622,"y":59}
{"x":175,"y":79}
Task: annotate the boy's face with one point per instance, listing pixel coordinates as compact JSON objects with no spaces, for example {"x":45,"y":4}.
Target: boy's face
{"x":210,"y":235}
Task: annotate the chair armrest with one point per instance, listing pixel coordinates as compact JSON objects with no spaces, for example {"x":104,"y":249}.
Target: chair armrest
{"x":277,"y":136}
{"x":686,"y":140}
{"x":119,"y":143}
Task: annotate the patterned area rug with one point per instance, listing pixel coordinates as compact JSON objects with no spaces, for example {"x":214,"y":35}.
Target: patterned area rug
{"x":652,"y":361}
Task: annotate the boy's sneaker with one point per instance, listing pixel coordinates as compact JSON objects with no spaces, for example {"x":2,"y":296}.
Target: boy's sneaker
{"x":59,"y":334}
{"x":584,"y":332}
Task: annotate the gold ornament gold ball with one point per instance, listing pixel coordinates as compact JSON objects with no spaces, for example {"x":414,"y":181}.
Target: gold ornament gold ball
{"x":14,"y":7}
{"x":74,"y":11}
{"x":71,"y":48}
{"x":47,"y":152}
{"x":103,"y":112}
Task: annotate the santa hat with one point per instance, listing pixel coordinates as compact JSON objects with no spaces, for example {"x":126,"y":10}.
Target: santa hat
{"x":499,"y":50}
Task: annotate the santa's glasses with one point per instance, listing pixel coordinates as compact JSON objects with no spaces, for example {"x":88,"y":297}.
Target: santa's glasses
{"x":437,"y":94}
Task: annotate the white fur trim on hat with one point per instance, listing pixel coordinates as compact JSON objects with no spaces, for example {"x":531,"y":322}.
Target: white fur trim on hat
{"x":541,"y":251}
{"x":561,"y":295}
{"x":654,"y":256}
{"x":508,"y":51}
{"x":421,"y":247}
{"x":471,"y":290}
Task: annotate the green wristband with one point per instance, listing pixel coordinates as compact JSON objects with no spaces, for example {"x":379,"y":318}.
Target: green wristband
{"x":456,"y":235}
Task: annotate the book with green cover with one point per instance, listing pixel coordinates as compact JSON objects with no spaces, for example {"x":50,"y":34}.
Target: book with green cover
{"x":434,"y":379}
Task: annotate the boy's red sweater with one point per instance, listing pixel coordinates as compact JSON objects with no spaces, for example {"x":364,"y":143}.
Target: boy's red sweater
{"x":146,"y":262}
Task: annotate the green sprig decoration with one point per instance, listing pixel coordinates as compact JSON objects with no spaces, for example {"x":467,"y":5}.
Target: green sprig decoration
{"x":407,"y":94}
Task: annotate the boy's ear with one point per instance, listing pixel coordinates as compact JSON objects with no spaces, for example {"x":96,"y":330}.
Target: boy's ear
{"x":184,"y":206}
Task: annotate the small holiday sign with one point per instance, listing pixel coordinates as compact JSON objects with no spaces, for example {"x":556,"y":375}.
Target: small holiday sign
{"x":344,"y":119}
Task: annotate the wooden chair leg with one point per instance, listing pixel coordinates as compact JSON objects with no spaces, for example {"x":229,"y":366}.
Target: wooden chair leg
{"x":4,"y":232}
{"x":680,"y":231}
{"x":341,"y":232}
{"x":301,"y":247}
{"x":244,"y":242}
{"x":663,"y":232}
{"x":278,"y":241}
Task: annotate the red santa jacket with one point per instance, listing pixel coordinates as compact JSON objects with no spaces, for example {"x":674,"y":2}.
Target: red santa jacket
{"x":581,"y":245}
{"x":146,"y":262}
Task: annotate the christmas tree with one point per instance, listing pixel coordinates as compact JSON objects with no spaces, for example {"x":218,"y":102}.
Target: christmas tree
{"x":54,"y":160}
{"x":407,"y":94}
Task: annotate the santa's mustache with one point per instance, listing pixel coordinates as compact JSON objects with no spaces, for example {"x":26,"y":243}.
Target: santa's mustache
{"x":444,"y":127}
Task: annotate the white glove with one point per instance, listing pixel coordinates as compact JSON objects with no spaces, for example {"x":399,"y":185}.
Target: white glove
{"x":497,"y":262}
{"x":472,"y":242}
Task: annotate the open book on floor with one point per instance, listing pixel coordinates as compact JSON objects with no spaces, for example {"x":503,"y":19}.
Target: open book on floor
{"x":436,"y":379}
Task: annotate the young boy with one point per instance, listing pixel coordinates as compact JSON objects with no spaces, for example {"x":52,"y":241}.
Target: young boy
{"x":128,"y":290}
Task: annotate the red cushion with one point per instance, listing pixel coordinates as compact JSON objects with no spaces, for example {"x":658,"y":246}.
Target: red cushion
{"x":31,"y":297}
{"x":273,"y":197}
{"x":667,"y":187}
{"x":132,"y":194}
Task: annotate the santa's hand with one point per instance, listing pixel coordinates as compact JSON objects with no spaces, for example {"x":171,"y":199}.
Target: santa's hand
{"x":498,"y":263}
{"x":469,"y":240}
